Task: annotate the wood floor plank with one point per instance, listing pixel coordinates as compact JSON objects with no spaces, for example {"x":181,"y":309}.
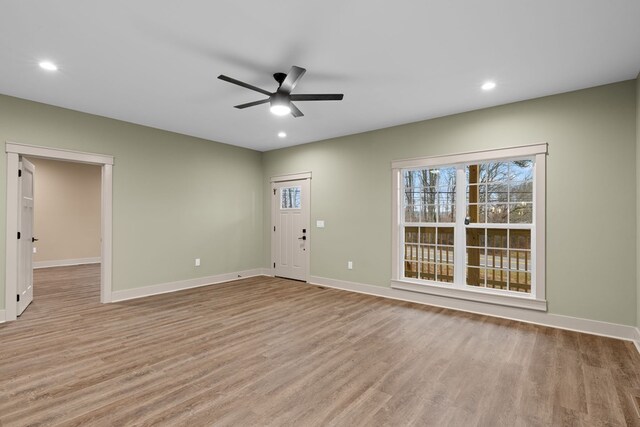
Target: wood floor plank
{"x":269,"y":351}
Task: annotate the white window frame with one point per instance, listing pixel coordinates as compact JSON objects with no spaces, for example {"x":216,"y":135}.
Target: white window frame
{"x":536,"y":300}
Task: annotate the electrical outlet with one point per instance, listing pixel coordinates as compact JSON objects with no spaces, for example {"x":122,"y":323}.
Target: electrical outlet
{"x":197,"y":262}
{"x":350,"y":265}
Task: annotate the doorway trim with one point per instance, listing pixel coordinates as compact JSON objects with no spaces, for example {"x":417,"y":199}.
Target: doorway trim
{"x":284,"y":178}
{"x":14,"y":151}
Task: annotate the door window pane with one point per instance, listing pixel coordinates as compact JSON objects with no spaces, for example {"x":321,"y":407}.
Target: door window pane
{"x":290,"y":198}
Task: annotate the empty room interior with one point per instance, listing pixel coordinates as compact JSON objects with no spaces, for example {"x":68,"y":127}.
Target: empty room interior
{"x":326,"y":213}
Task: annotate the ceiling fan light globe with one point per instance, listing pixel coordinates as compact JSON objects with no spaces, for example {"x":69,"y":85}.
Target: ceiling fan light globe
{"x":280,"y":110}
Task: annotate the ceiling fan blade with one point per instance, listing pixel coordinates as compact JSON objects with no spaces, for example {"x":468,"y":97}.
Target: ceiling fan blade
{"x":295,"y":112}
{"x":251,"y":104}
{"x":317,"y":97}
{"x":243,"y":84}
{"x":292,"y":79}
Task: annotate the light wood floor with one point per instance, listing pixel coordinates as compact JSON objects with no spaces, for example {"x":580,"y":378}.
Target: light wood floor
{"x":266,"y":351}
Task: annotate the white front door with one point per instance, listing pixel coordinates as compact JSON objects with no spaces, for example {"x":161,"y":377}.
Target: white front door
{"x":290,"y":223}
{"x":25,"y":231}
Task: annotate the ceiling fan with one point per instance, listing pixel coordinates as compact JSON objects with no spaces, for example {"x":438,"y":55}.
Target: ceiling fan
{"x":281,"y":99}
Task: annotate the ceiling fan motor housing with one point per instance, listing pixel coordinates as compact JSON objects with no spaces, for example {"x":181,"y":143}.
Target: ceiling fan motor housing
{"x":279,"y":98}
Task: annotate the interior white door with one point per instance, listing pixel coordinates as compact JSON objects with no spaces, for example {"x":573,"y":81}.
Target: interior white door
{"x":290,"y":222}
{"x":25,"y":230}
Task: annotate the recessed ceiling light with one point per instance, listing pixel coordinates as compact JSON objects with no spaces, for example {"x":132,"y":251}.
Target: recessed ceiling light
{"x":282,"y":134}
{"x":488,"y":86}
{"x":48,"y":65}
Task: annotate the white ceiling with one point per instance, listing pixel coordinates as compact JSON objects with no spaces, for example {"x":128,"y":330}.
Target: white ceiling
{"x":155,"y":62}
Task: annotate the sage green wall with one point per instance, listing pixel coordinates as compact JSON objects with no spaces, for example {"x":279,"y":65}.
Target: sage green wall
{"x":591,"y":194}
{"x":175,"y":197}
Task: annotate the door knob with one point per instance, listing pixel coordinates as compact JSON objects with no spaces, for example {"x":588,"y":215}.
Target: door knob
{"x":33,"y":239}
{"x":302,"y":238}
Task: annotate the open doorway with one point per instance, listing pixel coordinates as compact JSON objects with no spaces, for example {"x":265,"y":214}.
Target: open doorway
{"x":67,"y":213}
{"x":65,"y":241}
{"x":19,"y":251}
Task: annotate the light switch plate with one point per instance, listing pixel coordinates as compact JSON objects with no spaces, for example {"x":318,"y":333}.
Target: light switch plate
{"x":320,"y":223}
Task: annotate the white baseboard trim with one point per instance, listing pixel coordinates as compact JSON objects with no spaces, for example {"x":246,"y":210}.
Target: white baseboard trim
{"x":180,"y":285}
{"x":594,"y":327}
{"x":66,"y":262}
{"x":3,"y":316}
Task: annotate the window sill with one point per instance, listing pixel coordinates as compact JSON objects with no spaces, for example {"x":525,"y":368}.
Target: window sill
{"x":478,"y":295}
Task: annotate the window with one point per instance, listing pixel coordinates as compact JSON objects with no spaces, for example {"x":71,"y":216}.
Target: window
{"x":468,"y":226}
{"x":499,"y":222}
{"x":429,"y":203}
{"x":290,"y":198}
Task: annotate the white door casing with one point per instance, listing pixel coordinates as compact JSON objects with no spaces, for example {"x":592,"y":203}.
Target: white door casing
{"x":290,"y":228}
{"x":25,"y":230}
{"x":14,"y":151}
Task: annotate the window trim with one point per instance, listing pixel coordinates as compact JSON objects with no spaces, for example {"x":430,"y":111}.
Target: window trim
{"x":535,"y":301}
